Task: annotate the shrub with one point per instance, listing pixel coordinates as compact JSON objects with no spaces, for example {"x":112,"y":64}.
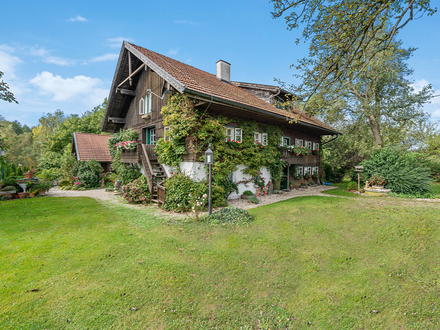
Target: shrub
{"x":402,"y":172}
{"x":180,"y":190}
{"x":88,"y":173}
{"x":137,"y":192}
{"x":254,"y":200}
{"x":229,"y":215}
{"x":247,"y":193}
{"x":352,"y":185}
{"x":7,"y":188}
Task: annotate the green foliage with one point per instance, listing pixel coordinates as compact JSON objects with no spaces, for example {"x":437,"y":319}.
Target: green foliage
{"x":127,"y":172}
{"x":88,"y":173}
{"x":352,"y":185}
{"x":137,"y":192}
{"x":7,"y":188}
{"x":247,"y":193}
{"x":182,"y":193}
{"x":191,"y":131}
{"x":402,"y":171}
{"x":229,"y":215}
{"x":254,"y":199}
{"x":5,"y":93}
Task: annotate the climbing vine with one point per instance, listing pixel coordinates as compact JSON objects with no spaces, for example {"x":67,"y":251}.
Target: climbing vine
{"x":192,"y":129}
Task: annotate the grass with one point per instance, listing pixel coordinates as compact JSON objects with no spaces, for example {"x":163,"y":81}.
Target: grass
{"x":304,"y":263}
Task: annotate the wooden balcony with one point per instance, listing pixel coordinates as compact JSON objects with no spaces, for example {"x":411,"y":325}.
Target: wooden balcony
{"x":130,"y":156}
{"x":291,"y":159}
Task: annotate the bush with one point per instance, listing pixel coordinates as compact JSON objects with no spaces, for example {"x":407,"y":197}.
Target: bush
{"x":180,"y":192}
{"x":331,"y":175}
{"x":88,"y":173}
{"x":402,"y":171}
{"x":137,"y":192}
{"x":229,"y":215}
{"x":352,"y":185}
{"x":247,"y":193}
{"x":254,"y":200}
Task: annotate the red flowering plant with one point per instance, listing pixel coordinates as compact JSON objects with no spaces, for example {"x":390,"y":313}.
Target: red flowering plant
{"x":306,"y":176}
{"x":315,"y":176}
{"x":260,"y":181}
{"x":126,"y":145}
{"x":232,"y":143}
{"x":316,"y":151}
{"x":299,"y":150}
{"x":377,"y":180}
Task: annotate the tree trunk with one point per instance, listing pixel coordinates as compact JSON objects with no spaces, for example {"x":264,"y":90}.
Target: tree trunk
{"x":374,"y":125}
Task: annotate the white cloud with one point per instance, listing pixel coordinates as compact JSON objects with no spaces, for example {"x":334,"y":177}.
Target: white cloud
{"x":117,"y":42}
{"x":187,"y":22}
{"x":77,"y":19}
{"x":173,"y":51}
{"x":8,"y":62}
{"x":105,"y":57}
{"x":66,"y":89}
{"x":47,"y":58}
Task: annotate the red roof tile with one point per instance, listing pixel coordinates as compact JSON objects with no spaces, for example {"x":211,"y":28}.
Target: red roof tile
{"x":92,"y":146}
{"x":208,"y":84}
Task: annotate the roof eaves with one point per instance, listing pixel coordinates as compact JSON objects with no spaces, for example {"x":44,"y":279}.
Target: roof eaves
{"x":217,"y":99}
{"x":161,"y":72}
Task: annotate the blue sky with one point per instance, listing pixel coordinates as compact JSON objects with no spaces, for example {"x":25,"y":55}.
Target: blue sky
{"x":62,"y":55}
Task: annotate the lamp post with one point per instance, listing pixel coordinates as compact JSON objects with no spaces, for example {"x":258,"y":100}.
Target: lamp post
{"x":209,"y":159}
{"x":2,"y":153}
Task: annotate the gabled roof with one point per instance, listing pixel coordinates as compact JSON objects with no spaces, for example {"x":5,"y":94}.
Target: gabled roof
{"x":91,"y":146}
{"x":190,"y":80}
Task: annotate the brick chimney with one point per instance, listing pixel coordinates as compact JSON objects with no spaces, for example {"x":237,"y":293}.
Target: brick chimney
{"x":223,"y":70}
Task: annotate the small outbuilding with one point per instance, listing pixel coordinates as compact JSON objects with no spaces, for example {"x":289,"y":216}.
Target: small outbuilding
{"x":87,"y":146}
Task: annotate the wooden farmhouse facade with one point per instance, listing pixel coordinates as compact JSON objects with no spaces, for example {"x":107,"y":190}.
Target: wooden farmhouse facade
{"x":143,"y":82}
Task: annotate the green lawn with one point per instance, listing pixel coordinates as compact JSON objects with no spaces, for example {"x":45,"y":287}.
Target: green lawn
{"x":305,"y":263}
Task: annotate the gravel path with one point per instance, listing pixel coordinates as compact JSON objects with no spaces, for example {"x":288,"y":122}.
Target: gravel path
{"x":101,"y":194}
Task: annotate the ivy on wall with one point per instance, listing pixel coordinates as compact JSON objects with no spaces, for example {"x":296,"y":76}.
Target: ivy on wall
{"x":192,"y":129}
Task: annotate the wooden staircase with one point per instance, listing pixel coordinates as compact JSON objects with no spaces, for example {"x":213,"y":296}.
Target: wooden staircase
{"x":154,"y":172}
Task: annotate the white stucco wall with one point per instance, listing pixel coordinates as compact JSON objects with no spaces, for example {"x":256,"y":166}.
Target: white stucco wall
{"x":238,"y":176}
{"x":196,"y":170}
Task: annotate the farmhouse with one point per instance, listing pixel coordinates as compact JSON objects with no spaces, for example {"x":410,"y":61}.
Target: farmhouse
{"x":143,"y":84}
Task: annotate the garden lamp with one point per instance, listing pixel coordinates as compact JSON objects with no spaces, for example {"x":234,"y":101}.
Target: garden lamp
{"x":209,"y":159}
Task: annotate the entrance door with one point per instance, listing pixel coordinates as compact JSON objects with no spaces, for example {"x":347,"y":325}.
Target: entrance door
{"x":284,"y":184}
{"x":151,"y":135}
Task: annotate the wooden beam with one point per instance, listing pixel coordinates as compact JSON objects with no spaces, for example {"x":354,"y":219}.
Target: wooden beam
{"x":116,"y":120}
{"x":126,"y":91}
{"x":131,"y":75}
{"x":129,"y":67}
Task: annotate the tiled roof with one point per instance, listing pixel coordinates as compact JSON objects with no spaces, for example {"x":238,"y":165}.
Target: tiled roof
{"x":206,"y":83}
{"x":92,"y":146}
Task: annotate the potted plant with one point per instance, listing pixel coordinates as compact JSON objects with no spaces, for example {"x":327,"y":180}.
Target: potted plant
{"x":32,"y":192}
{"x":21,"y":195}
{"x":247,"y":194}
{"x":8,"y":190}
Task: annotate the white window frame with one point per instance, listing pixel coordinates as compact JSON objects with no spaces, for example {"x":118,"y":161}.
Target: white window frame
{"x":301,"y":170}
{"x":286,"y":138}
{"x":238,"y":135}
{"x":309,"y":144}
{"x":257,"y":138}
{"x":153,"y":135}
{"x":296,"y":142}
{"x":306,"y":170}
{"x":229,"y":133}
{"x":141,"y":106}
{"x":301,"y":143}
{"x":315,"y":145}
{"x":264,"y":139}
{"x":148,"y":103}
{"x":315,"y":169}
{"x":167,"y":134}
{"x":282,"y":141}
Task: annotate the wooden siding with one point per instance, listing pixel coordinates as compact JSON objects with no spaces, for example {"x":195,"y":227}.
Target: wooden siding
{"x":148,"y":80}
{"x":130,"y":156}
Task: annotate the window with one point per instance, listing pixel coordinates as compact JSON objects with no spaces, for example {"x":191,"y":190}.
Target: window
{"x":152,"y":136}
{"x":166,"y":134}
{"x":315,"y":146}
{"x":233,"y":134}
{"x":301,"y":170}
{"x":141,"y":106}
{"x":309,"y":144}
{"x":301,"y":143}
{"x":257,"y":138}
{"x":285,"y":141}
{"x":148,"y":103}
{"x":260,"y":138}
{"x":264,"y":139}
{"x":297,"y":142}
{"x":238,"y":135}
{"x":315,"y":169}
{"x":306,"y":169}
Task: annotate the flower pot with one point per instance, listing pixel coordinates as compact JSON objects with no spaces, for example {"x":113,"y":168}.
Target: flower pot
{"x":21,"y":195}
{"x":31,"y":195}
